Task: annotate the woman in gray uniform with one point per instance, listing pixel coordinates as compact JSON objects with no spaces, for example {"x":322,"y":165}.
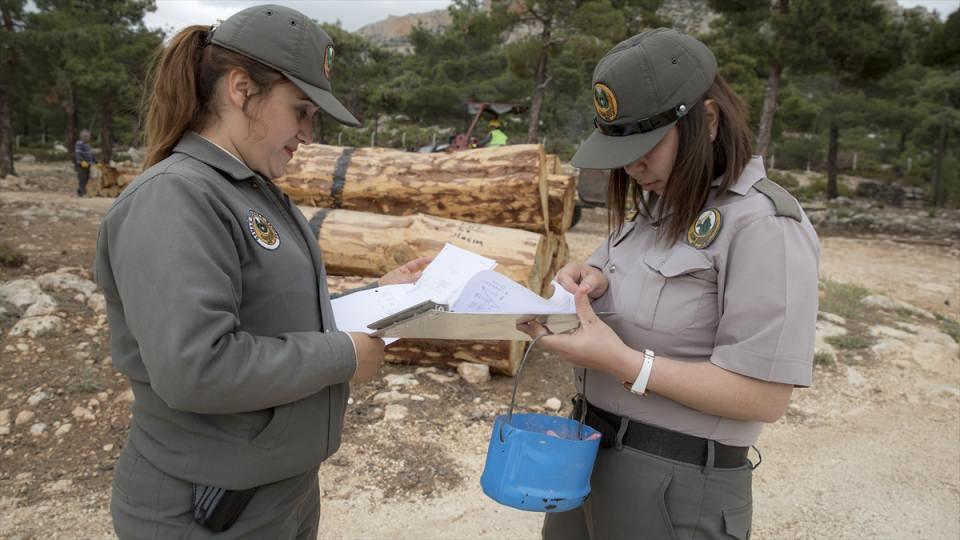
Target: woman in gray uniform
{"x":712,"y":290}
{"x":216,"y":292}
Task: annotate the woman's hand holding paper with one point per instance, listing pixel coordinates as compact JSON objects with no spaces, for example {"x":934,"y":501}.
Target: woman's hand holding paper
{"x":408,"y":273}
{"x":575,"y":274}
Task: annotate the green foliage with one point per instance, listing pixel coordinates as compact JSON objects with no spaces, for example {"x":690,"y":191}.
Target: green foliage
{"x":11,"y":257}
{"x":843,"y":299}
{"x":824,"y":359}
{"x":949,"y":326}
{"x":848,"y":342}
{"x":891,"y":84}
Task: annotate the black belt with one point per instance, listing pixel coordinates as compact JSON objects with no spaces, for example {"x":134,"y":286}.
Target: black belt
{"x":663,"y":442}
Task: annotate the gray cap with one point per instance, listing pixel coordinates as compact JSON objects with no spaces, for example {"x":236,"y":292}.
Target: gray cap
{"x":641,"y":88}
{"x":291,"y":43}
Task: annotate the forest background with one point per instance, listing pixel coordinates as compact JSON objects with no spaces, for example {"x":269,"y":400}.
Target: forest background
{"x":835,"y":86}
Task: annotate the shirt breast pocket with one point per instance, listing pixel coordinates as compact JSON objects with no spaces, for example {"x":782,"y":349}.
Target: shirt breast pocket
{"x":674,"y":284}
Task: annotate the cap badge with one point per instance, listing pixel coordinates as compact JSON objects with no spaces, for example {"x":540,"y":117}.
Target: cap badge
{"x":328,"y":61}
{"x":704,"y":229}
{"x":605,"y":102}
{"x":262,"y":230}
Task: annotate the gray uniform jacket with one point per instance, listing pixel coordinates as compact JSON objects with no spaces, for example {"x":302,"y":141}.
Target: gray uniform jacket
{"x":220,"y":316}
{"x":747,"y":303}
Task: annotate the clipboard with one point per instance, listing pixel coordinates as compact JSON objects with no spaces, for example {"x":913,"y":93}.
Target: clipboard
{"x":430,"y":320}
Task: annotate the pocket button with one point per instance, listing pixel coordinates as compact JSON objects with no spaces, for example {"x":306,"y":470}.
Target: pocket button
{"x":613,"y":268}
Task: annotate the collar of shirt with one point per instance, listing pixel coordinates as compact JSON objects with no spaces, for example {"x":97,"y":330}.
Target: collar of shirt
{"x":205,"y":150}
{"x":752,"y":173}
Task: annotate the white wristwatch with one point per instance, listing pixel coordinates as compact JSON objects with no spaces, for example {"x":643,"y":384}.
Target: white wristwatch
{"x":639,"y":386}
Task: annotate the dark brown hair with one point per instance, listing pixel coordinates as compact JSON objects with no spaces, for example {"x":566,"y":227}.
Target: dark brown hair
{"x":181,"y":88}
{"x":699,"y":161}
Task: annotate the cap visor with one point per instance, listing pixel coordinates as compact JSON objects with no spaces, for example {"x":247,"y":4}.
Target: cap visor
{"x":325,"y":100}
{"x":601,"y":151}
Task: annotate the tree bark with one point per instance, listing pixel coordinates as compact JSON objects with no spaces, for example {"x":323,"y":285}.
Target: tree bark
{"x":539,"y":87}
{"x":767,"y":113}
{"x":938,"y":165}
{"x":363,"y":244}
{"x":6,"y":133}
{"x":505,"y":186}
{"x":9,"y":74}
{"x":832,"y":147}
{"x":106,"y":132}
{"x":70,"y":108}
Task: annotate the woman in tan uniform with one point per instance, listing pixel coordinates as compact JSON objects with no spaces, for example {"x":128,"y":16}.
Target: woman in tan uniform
{"x":712,"y":294}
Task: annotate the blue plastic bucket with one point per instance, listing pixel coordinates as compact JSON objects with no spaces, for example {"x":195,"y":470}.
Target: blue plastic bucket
{"x":530,"y":470}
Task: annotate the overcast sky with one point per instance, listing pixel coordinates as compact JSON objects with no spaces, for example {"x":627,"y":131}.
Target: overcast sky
{"x":172,"y":15}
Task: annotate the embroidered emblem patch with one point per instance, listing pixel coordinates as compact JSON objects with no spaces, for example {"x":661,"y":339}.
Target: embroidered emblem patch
{"x":262,"y":230}
{"x":705,"y":228}
{"x":328,"y":61}
{"x":605,"y":102}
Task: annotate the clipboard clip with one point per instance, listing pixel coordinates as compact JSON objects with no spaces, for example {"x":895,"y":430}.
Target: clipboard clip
{"x":407,"y":314}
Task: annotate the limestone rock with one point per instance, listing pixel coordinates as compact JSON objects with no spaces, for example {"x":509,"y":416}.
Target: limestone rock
{"x":23,"y":417}
{"x":393,"y":413}
{"x":884,"y":302}
{"x":82,"y":413}
{"x":37,"y":429}
{"x":63,"y":280}
{"x":830,"y":317}
{"x":36,"y":398}
{"x":474,"y":373}
{"x":405,"y":379}
{"x":553,"y":404}
{"x":63,"y":430}
{"x":37,"y":326}
{"x":441,"y":378}
{"x":854,"y":378}
{"x":390,"y":397}
{"x":828,"y":329}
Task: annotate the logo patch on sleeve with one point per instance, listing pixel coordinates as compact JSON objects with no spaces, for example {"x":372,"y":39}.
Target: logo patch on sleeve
{"x":262,"y":230}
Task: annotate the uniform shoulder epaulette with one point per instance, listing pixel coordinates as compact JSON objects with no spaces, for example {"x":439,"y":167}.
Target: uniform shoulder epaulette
{"x":783,"y":202}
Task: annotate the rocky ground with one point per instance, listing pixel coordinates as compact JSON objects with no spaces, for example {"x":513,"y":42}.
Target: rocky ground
{"x":870,"y":451}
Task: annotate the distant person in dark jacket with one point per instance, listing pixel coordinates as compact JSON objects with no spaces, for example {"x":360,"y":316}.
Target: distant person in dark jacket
{"x":82,"y":161}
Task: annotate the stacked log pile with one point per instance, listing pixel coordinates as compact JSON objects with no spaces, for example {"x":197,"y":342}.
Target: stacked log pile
{"x":374,"y":209}
{"x":111,"y":180}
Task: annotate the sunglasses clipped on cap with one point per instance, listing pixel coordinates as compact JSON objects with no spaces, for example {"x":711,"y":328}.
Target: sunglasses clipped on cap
{"x":644,"y":125}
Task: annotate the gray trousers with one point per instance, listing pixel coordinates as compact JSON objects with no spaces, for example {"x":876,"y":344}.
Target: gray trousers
{"x":637,"y":495}
{"x":148,"y":503}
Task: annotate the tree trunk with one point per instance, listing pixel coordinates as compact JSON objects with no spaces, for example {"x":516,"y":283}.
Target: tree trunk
{"x":505,"y":186}
{"x":770,"y":96}
{"x":363,"y":244}
{"x":106,"y":132}
{"x":938,"y":165}
{"x":9,"y":74}
{"x":539,"y":87}
{"x":6,"y":133}
{"x":832,"y":160}
{"x":70,"y":108}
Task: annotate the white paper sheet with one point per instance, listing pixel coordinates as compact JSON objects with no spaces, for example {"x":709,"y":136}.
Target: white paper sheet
{"x":441,"y":281}
{"x":492,"y":292}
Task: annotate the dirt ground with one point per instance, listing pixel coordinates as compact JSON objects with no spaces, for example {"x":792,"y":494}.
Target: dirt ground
{"x":871,"y":450}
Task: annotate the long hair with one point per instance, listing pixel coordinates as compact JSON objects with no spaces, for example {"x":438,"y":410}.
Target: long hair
{"x":699,"y":162}
{"x":181,"y":88}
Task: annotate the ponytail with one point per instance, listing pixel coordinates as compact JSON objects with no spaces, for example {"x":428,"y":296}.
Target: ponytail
{"x":173,"y":103}
{"x":181,"y":87}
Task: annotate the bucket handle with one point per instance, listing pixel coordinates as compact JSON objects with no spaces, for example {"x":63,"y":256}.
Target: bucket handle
{"x":516,"y":383}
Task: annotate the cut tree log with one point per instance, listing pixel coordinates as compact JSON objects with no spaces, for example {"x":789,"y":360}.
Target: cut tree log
{"x":111,"y":180}
{"x":364,"y":244}
{"x":502,"y":356}
{"x":504,"y":186}
{"x":561,"y":202}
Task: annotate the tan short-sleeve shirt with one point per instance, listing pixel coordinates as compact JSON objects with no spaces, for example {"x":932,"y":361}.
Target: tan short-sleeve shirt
{"x":747,"y":302}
